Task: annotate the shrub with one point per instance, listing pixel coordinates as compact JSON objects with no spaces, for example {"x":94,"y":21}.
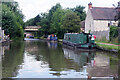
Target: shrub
{"x":113,"y":32}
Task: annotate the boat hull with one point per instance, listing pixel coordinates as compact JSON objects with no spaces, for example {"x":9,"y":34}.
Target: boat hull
{"x":79,"y":46}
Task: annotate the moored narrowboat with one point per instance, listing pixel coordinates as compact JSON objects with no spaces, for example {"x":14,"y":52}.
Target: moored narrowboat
{"x":52,"y":37}
{"x":79,"y":40}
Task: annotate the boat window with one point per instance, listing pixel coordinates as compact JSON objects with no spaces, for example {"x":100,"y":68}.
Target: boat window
{"x":65,"y":37}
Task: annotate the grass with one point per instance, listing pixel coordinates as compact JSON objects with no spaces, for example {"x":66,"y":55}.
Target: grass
{"x":106,"y":41}
{"x":110,"y":47}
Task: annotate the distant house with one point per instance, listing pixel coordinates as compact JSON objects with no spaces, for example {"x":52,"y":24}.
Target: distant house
{"x":99,"y":19}
{"x":1,"y":35}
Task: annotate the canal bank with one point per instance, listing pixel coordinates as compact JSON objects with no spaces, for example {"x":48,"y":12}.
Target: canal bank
{"x":108,"y":47}
{"x":104,"y":46}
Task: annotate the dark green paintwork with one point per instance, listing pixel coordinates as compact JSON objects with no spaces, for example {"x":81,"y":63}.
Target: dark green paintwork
{"x":77,"y":38}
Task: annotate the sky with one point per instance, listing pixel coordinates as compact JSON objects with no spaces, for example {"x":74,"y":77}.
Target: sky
{"x":31,"y":8}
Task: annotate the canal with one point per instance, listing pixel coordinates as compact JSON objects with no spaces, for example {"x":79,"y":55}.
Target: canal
{"x":40,"y":59}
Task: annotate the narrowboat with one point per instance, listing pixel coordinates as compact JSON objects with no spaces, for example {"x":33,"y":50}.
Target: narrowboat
{"x":52,"y":37}
{"x":80,"y":40}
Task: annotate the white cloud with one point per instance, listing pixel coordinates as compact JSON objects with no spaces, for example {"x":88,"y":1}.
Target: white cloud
{"x":31,"y":8}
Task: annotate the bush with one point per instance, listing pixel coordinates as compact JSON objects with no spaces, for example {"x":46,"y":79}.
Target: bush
{"x":113,"y":32}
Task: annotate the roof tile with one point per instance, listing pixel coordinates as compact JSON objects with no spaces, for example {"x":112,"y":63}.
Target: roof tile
{"x":103,"y":13}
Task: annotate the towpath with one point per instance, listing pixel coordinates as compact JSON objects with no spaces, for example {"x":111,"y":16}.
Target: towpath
{"x":108,"y":44}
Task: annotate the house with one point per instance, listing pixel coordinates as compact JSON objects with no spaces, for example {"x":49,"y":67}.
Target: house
{"x":1,"y":35}
{"x":99,"y":19}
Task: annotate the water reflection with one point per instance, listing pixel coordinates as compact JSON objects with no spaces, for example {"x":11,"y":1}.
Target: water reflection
{"x":104,"y":66}
{"x":2,"y":48}
{"x":1,"y":52}
{"x":52,"y":44}
{"x":81,"y":58}
{"x":12,"y":58}
{"x":36,"y":59}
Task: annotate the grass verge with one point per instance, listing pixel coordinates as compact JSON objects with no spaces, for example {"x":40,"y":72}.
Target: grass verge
{"x":109,"y":47}
{"x":105,"y":41}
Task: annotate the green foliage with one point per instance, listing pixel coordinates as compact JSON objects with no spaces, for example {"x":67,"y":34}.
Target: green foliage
{"x":113,"y":32}
{"x":44,"y":23}
{"x":33,"y":21}
{"x":29,"y":22}
{"x":52,"y":10}
{"x":58,"y":20}
{"x":47,"y":22}
{"x":12,"y":20}
{"x":63,"y":21}
{"x":71,"y":22}
{"x":80,"y":12}
{"x":11,"y":61}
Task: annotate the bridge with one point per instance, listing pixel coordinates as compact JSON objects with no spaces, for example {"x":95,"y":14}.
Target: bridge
{"x":31,"y":30}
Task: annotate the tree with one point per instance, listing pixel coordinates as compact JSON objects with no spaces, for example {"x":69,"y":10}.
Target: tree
{"x":80,"y":12}
{"x":117,"y":18}
{"x":57,"y":22}
{"x":52,"y":10}
{"x":12,"y":22}
{"x":44,"y":30}
{"x":29,"y":22}
{"x":71,"y":22}
{"x":113,"y":32}
{"x":33,"y":21}
{"x":14,"y":7}
{"x":47,"y":21}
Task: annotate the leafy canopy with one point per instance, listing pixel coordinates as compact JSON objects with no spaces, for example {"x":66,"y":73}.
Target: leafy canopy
{"x":12,"y":20}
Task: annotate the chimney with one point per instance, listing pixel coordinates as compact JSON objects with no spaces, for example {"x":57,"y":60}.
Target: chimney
{"x":90,"y":5}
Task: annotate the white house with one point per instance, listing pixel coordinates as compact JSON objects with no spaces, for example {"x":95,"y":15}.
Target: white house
{"x":99,"y":19}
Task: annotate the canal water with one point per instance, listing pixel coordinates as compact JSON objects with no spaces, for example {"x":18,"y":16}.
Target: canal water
{"x":39,"y":59}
